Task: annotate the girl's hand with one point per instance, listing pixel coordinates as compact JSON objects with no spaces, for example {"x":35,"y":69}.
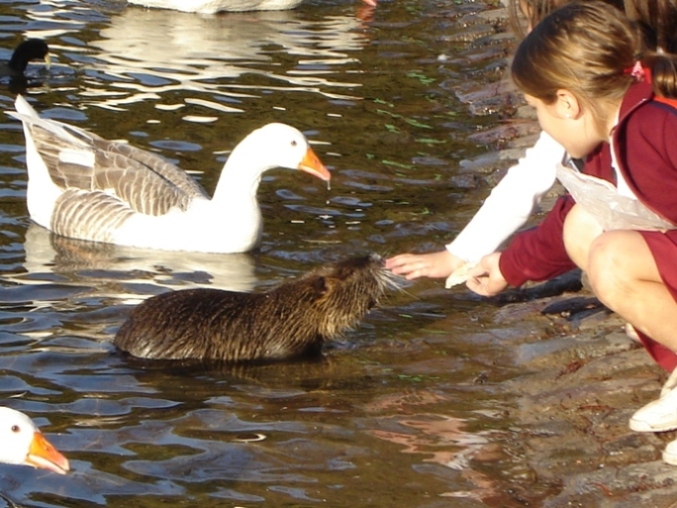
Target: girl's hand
{"x":436,"y":265}
{"x":486,"y":278}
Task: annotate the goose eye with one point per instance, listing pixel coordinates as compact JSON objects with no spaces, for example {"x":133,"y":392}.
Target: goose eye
{"x":293,"y":143}
{"x":16,"y":428}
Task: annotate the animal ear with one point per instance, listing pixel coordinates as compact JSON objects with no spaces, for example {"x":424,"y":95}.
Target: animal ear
{"x":320,"y":285}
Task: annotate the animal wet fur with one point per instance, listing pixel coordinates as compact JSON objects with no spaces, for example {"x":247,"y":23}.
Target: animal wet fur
{"x":292,"y":320}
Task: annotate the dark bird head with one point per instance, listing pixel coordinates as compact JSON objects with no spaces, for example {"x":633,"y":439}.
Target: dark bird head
{"x":31,"y":49}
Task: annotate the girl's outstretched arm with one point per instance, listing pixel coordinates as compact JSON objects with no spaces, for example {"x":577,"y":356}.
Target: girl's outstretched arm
{"x":436,"y":265}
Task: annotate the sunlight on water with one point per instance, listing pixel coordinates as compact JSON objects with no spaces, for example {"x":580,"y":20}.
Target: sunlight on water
{"x":208,"y":54}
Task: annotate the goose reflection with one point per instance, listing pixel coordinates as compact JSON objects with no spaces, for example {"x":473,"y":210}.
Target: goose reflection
{"x":140,"y":271}
{"x":145,"y":54}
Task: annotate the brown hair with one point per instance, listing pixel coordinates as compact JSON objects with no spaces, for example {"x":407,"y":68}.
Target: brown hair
{"x":588,"y":48}
{"x":526,"y":14}
{"x":583,"y":47}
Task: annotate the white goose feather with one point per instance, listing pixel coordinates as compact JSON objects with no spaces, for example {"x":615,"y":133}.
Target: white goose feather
{"x":83,"y":186}
{"x":214,"y":6}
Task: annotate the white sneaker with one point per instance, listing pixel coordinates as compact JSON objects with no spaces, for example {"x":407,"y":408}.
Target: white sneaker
{"x":657,"y":416}
{"x":670,"y":453}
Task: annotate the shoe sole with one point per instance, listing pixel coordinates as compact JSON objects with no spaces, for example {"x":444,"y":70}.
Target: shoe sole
{"x":640,"y":426}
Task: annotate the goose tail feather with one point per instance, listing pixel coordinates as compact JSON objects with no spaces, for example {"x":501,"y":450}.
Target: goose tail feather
{"x":23,"y":108}
{"x":30,"y":118}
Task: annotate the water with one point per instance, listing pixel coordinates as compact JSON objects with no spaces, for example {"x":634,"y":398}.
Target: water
{"x":395,"y":416}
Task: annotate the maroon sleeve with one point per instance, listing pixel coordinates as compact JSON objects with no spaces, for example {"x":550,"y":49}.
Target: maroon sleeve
{"x":539,"y":254}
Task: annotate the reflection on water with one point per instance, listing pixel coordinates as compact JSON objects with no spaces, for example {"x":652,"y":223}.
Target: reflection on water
{"x":148,"y":54}
{"x":105,"y":265}
{"x":338,"y":432}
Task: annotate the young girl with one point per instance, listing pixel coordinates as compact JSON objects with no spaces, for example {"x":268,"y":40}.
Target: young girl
{"x":512,"y":201}
{"x":605,"y":97}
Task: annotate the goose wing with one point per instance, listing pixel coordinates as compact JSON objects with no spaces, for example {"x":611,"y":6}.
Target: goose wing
{"x":78,"y":159}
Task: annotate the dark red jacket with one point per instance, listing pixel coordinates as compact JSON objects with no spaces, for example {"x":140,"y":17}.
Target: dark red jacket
{"x":645,"y":140}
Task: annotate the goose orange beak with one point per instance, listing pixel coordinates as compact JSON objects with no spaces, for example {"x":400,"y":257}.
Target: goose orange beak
{"x":311,"y":164}
{"x":44,"y":456}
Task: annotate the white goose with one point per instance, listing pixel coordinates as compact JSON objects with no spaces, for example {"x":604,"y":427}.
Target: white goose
{"x":83,"y":186}
{"x":214,"y":6}
{"x":24,"y":444}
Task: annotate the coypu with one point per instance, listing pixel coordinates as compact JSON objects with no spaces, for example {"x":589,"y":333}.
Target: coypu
{"x":292,"y":320}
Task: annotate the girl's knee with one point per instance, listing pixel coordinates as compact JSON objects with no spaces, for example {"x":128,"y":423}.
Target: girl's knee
{"x":608,"y":269}
{"x":580,"y":230}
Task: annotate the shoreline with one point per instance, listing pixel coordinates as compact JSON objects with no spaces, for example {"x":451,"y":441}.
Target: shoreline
{"x":581,"y":376}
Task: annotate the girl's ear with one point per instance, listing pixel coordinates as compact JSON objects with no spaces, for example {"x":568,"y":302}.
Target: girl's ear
{"x":567,"y":105}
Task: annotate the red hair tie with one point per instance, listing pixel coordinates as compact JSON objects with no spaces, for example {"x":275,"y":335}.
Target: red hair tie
{"x":638,"y":72}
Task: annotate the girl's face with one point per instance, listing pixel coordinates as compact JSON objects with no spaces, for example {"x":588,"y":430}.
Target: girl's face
{"x":571,"y":128}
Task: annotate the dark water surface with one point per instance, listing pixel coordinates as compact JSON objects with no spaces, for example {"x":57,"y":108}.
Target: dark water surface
{"x":394,"y":417}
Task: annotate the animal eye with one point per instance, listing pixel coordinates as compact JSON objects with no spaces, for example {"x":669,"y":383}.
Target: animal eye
{"x":16,"y":428}
{"x":293,"y":143}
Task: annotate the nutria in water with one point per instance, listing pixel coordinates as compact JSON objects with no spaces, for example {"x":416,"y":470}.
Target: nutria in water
{"x":294,"y":319}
